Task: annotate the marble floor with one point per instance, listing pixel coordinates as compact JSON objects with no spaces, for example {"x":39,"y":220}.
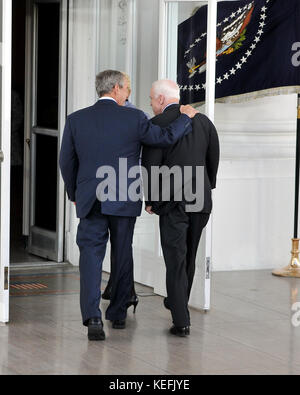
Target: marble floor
{"x":249,"y":330}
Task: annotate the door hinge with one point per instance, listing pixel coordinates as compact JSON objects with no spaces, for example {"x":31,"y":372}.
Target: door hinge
{"x":208,"y":268}
{"x":6,"y":278}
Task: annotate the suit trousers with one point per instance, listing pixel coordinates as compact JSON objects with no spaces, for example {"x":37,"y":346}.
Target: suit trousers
{"x":180,"y":236}
{"x":112,"y":268}
{"x":92,"y":236}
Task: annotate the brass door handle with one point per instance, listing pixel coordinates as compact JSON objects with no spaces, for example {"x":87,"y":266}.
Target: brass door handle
{"x":1,"y":156}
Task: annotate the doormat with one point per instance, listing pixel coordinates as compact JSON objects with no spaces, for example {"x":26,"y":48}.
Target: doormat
{"x":45,"y":284}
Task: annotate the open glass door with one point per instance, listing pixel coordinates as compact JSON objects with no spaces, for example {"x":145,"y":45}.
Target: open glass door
{"x":46,"y":73}
{"x":5,"y":106}
{"x":172,"y":14}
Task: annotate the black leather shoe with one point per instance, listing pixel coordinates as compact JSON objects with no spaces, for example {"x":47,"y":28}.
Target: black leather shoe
{"x":166,"y":304}
{"x":119,"y":324}
{"x":95,"y":329}
{"x":180,"y":331}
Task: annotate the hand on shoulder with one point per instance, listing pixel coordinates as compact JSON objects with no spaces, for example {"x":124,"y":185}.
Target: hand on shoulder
{"x":189,"y":111}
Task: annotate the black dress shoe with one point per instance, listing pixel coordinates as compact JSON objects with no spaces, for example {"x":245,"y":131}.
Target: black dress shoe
{"x":119,"y":324}
{"x":166,"y":304}
{"x":95,"y":329}
{"x":180,"y":331}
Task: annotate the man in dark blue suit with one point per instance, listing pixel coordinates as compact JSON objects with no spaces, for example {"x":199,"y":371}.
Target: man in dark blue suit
{"x":108,"y":134}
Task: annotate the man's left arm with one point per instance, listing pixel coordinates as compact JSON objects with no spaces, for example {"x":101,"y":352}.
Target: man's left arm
{"x":213,"y":154}
{"x":163,"y":137}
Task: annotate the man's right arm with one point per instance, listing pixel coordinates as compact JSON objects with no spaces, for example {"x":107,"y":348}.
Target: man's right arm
{"x":213,"y":153}
{"x":68,"y":161}
{"x":156,"y":136}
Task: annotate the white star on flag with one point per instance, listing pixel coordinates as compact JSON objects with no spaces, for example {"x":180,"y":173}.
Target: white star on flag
{"x":232,"y":71}
{"x":257,"y":39}
{"x":232,"y":15}
{"x":226,"y":76}
{"x":244,"y":60}
{"x":191,"y":87}
{"x":253,"y":46}
{"x":226,"y":19}
{"x":197,"y":87}
{"x":260,"y":32}
{"x":263,"y":16}
{"x":264,"y":9}
{"x":204,"y":86}
{"x":219,"y":80}
{"x":239,"y":10}
{"x":197,"y":40}
{"x":185,"y":88}
{"x":238,"y":66}
{"x":262,"y":24}
{"x":248,"y":53}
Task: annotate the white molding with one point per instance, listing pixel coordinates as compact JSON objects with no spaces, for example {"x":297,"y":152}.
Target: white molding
{"x":256,"y":145}
{"x":255,"y":169}
{"x":241,"y":127}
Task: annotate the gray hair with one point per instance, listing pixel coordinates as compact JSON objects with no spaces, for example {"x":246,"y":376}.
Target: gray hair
{"x":167,"y":88}
{"x":106,"y":80}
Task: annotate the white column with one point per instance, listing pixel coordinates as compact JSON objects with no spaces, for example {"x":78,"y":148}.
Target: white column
{"x":210,"y":112}
{"x":6,"y":24}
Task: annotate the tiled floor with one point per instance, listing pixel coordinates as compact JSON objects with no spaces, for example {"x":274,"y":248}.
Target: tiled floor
{"x":247,"y":331}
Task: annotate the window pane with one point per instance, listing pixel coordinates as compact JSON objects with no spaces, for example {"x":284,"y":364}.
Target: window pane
{"x":47,"y":65}
{"x":46,"y":182}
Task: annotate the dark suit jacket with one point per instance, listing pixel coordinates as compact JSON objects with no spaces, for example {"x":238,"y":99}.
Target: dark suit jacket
{"x":98,"y":136}
{"x":199,"y":148}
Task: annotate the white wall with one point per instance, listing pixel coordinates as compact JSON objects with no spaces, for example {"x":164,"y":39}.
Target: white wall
{"x":81,"y":88}
{"x":147,"y":51}
{"x":253,"y":214}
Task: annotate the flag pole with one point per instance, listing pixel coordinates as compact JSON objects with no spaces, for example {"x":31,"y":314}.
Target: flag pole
{"x":293,"y":270}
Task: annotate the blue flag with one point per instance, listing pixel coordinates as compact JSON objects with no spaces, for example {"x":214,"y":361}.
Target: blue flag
{"x":255,"y":50}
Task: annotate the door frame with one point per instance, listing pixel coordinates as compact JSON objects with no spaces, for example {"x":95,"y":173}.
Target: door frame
{"x":209,"y":105}
{"x":5,"y":145}
{"x":30,"y":127}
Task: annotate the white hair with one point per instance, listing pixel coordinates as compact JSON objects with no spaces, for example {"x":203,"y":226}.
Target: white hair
{"x":167,"y":88}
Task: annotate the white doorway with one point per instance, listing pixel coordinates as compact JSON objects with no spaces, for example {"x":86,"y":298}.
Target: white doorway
{"x":39,"y":87}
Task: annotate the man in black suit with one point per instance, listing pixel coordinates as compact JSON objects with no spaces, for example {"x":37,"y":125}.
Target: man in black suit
{"x":181,"y":224}
{"x":97,"y":141}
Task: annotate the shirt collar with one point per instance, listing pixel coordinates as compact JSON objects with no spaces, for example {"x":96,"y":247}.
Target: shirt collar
{"x":107,"y":98}
{"x":171,"y":104}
